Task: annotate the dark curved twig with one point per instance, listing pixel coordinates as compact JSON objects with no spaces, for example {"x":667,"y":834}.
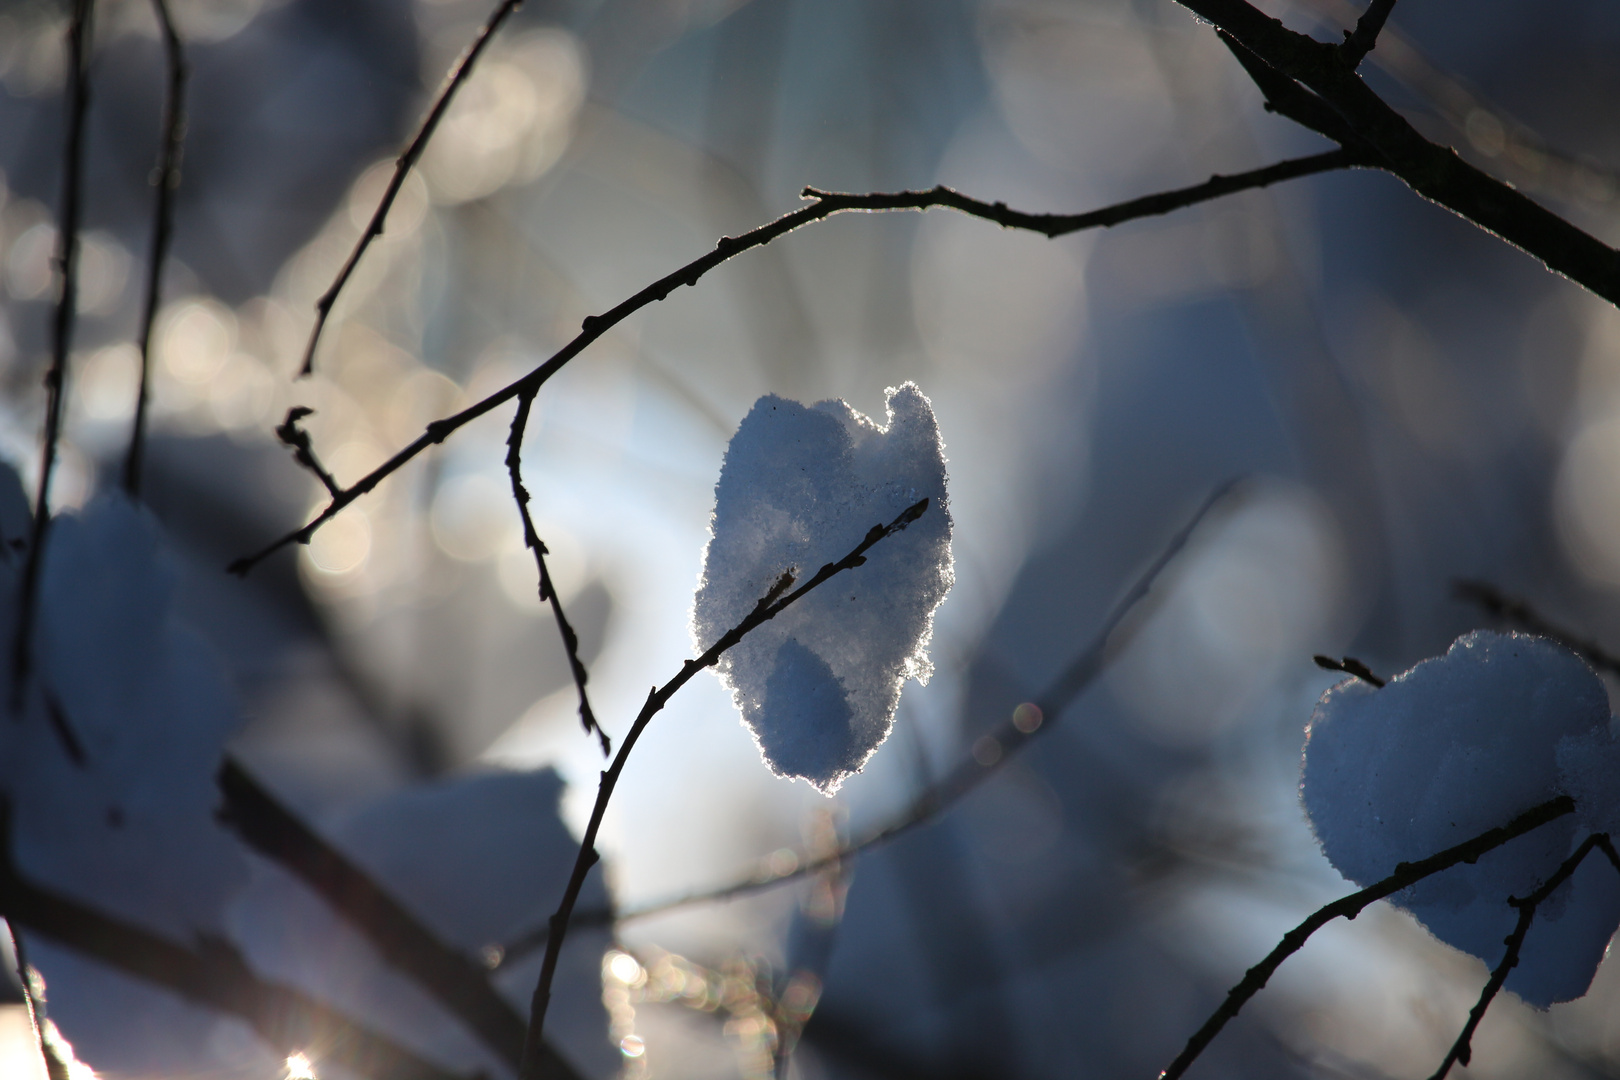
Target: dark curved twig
{"x":772,"y":604}
{"x":456,"y":982}
{"x":1348,"y":907}
{"x":548,"y":591}
{"x":168,"y":179}
{"x":1462,"y":1050}
{"x":1433,"y":171}
{"x":67,"y":258}
{"x":1010,"y":736}
{"x":822,"y":205}
{"x":402,"y":167}
{"x":1350,"y":666}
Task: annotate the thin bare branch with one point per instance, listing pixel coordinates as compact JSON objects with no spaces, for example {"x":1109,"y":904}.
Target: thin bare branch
{"x":67,"y":261}
{"x":822,"y":205}
{"x":402,"y":167}
{"x":1462,"y":1050}
{"x":1433,"y":171}
{"x":1360,"y":41}
{"x":772,"y":604}
{"x":1009,"y":737}
{"x":294,"y":436}
{"x":1350,"y":666}
{"x":548,"y":591}
{"x":212,"y":974}
{"x":456,"y":982}
{"x":1516,"y":611}
{"x":166,"y":179}
{"x":55,"y":1067}
{"x":1348,"y":907}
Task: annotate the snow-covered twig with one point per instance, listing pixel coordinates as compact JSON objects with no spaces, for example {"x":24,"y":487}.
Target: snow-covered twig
{"x":1348,"y":907}
{"x":822,"y":205}
{"x":1517,"y":612}
{"x":548,"y":591}
{"x":1462,"y":1049}
{"x":402,"y":167}
{"x":167,"y":180}
{"x":772,"y":604}
{"x":67,"y":261}
{"x":1010,"y":736}
{"x":212,"y":974}
{"x":459,"y":984}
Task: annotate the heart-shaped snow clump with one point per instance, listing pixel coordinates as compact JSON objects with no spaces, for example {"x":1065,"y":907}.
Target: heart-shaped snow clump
{"x":800,"y":487}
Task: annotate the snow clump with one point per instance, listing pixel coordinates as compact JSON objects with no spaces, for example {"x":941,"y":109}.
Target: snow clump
{"x":1458,"y":745}
{"x":800,"y":487}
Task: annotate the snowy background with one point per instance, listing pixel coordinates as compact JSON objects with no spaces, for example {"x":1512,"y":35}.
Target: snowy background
{"x":1410,"y":401}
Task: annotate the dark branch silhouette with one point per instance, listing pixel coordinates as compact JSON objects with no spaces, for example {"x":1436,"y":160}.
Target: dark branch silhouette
{"x":456,"y":982}
{"x":303,"y":450}
{"x":1431,"y":170}
{"x":1350,"y":666}
{"x":402,"y":167}
{"x":1360,"y":41}
{"x":67,"y":302}
{"x":166,"y":180}
{"x":1010,"y":736}
{"x":55,"y":1067}
{"x":1462,"y":1050}
{"x":548,"y":591}
{"x":772,"y":604}
{"x":822,"y":205}
{"x":212,"y":974}
{"x":1348,"y":907}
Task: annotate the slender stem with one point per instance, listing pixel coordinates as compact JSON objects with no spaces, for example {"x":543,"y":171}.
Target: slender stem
{"x":1462,"y":1050}
{"x":1517,"y":612}
{"x":1348,"y":907}
{"x":773,"y":603}
{"x":168,"y":180}
{"x":402,"y":167}
{"x":548,"y":589}
{"x":67,"y":258}
{"x":1010,"y":736}
{"x":822,"y":205}
{"x":1360,"y":41}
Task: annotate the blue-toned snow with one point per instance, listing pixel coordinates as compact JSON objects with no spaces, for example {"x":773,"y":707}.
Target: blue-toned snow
{"x":800,"y":487}
{"x":1460,"y":744}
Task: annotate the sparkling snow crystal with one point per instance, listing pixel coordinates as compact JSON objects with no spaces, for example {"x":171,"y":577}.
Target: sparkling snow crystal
{"x":1458,"y":745}
{"x":799,"y":488}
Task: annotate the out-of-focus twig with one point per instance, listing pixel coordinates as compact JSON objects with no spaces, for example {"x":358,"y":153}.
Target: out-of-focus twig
{"x":455,"y":981}
{"x":822,"y":205}
{"x":548,"y":590}
{"x":1517,"y":611}
{"x":167,"y":179}
{"x":1462,"y":1050}
{"x":989,"y":752}
{"x":402,"y":167}
{"x":1348,"y":907}
{"x":212,"y":974}
{"x":772,"y":604}
{"x":67,"y":302}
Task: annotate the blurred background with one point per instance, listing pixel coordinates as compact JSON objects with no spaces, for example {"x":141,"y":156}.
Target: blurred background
{"x":1409,"y":401}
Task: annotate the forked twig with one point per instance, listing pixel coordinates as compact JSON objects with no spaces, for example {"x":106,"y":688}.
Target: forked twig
{"x":67,"y":302}
{"x":1360,"y":41}
{"x":1462,"y":1050}
{"x":1348,"y":907}
{"x":455,"y":981}
{"x":773,"y":603}
{"x":548,"y":590}
{"x":402,"y":167}
{"x":1010,"y":736}
{"x":167,"y":180}
{"x":822,"y":205}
